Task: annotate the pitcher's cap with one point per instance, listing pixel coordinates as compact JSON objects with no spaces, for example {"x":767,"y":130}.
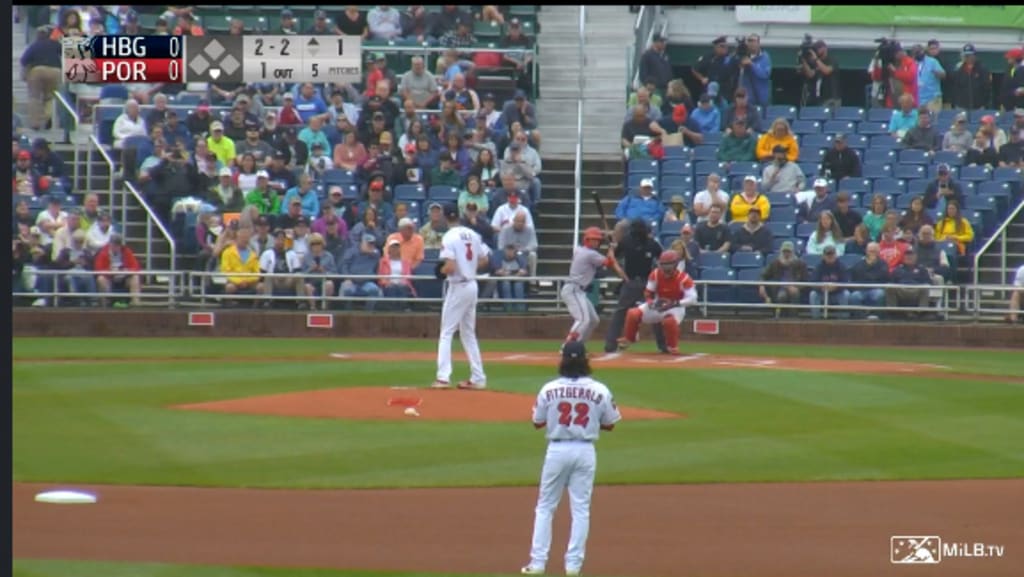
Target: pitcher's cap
{"x":574,"y":350}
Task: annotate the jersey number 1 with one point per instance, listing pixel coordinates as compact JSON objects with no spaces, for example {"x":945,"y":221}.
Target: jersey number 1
{"x":469,"y":251}
{"x":565,"y":414}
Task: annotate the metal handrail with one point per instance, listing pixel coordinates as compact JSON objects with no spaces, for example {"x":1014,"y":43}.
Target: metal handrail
{"x":112,"y":167}
{"x":1000,"y":233}
{"x":76,"y":147}
{"x":151,"y":218}
{"x":578,"y":162}
{"x":643,"y":31}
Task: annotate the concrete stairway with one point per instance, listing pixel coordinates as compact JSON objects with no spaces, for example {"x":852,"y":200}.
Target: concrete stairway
{"x":991,"y":272}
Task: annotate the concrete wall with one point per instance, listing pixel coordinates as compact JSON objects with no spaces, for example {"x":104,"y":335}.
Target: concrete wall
{"x":43,"y":323}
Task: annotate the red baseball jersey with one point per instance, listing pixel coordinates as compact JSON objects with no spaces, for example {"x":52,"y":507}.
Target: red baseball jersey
{"x":671,"y":288}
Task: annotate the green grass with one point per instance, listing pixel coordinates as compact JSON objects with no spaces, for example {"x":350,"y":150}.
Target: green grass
{"x":41,"y":568}
{"x":108,"y":422}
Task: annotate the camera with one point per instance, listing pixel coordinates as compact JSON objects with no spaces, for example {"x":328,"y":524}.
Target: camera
{"x":886,"y":51}
{"x":806,"y":53}
{"x":742,"y":50}
{"x":316,"y":259}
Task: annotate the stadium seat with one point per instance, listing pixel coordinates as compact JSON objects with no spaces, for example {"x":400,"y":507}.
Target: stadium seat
{"x":705,"y":152}
{"x":427,"y":288}
{"x":735,"y":183}
{"x":946,"y":118}
{"x":909,"y":171}
{"x":848,"y":114}
{"x":443,"y":193}
{"x":994,"y":188}
{"x":805,"y":229}
{"x":833,"y":127}
{"x":849,"y":260}
{"x":676,"y":166}
{"x":677,"y":152}
{"x":676,"y":184}
{"x":798,"y":244}
{"x":745,"y":168}
{"x":816,"y":113}
{"x":706,"y":167}
{"x":634,"y":179}
{"x":875,"y":171}
{"x":712,"y":138}
{"x":1008,"y":174}
{"x":410,"y":192}
{"x":671,"y":227}
{"x":873,"y":128}
{"x":879,"y":115}
{"x":667,"y":238}
{"x":781,"y":229}
{"x":815,"y":141}
{"x":949,"y":157}
{"x":879,"y":156}
{"x":702,"y":183}
{"x":913,"y":156}
{"x":806,"y":127}
{"x":337,"y":176}
{"x":855,"y":185}
{"x":975,"y":173}
{"x":858,"y":141}
{"x":779,"y":111}
{"x":933,"y":171}
{"x":779,"y":199}
{"x":748,"y":293}
{"x":812,"y":260}
{"x":811,"y":153}
{"x":886,"y":141}
{"x":713,"y":260}
{"x":810,"y":168}
{"x":917,"y":186}
{"x":888,"y":187}
{"x":903,"y":201}
{"x":974,"y":116}
{"x":785,"y":214}
{"x":719,"y":293}
{"x":643,"y":166}
{"x":747,"y":259}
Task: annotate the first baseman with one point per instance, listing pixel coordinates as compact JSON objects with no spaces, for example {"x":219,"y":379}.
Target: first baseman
{"x":574,"y":409}
{"x":586,"y":261}
{"x":669,"y":291}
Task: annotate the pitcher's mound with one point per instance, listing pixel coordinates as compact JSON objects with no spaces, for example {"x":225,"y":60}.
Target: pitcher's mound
{"x":391,"y":403}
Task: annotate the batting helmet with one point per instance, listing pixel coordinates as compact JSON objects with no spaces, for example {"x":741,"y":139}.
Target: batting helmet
{"x":593,"y":233}
{"x":668,"y":257}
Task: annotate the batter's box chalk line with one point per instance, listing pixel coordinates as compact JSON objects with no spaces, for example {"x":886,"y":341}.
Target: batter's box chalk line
{"x":405,"y":402}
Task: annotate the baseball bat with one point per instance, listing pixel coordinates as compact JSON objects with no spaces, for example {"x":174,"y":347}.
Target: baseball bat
{"x":600,"y":211}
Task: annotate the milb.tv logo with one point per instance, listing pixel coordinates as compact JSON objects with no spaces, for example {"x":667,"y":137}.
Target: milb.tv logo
{"x":915,"y":549}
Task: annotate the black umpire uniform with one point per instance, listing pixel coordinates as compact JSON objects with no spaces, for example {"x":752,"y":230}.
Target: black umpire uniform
{"x":640,"y":253}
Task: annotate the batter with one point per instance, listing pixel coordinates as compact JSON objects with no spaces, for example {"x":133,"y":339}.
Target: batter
{"x":463,"y":253}
{"x":574,"y":409}
{"x":669,"y":291}
{"x":586,"y":261}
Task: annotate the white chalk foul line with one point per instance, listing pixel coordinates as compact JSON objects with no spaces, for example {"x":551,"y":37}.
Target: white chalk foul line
{"x":608,"y":357}
{"x":340,"y":356}
{"x":689,"y":358}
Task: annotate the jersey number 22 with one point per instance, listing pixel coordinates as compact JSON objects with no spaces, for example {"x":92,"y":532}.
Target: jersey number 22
{"x":566,"y":410}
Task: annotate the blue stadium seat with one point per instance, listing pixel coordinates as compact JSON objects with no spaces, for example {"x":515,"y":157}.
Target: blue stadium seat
{"x":712,"y":138}
{"x":671,"y":227}
{"x":189,"y":99}
{"x":705,"y":152}
{"x":443,"y":193}
{"x":858,"y":141}
{"x":722,"y":293}
{"x":879,"y":156}
{"x":745,"y":168}
{"x":811,"y":153}
{"x":833,"y":127}
{"x":879,"y":115}
{"x":849,"y":113}
{"x":888,"y":187}
{"x":643,"y":166}
{"x":980,"y":203}
{"x":114,"y":92}
{"x":806,"y":127}
{"x":798,"y":244}
{"x":338,"y":176}
{"x":805,"y":229}
{"x":676,"y":184}
{"x":779,"y":111}
{"x":677,"y":152}
{"x":812,"y":260}
{"x":676,"y":166}
{"x":633,"y":180}
{"x":974,"y":116}
{"x":747,"y":259}
{"x":975,"y":173}
{"x":849,"y":260}
{"x":785,"y":214}
{"x":426,"y":288}
{"x":810,"y":169}
{"x":735,"y":183}
{"x":855,"y":185}
{"x":917,"y":186}
{"x":1008,"y":174}
{"x":431,"y":254}
{"x":781,"y":229}
{"x":909,"y":171}
{"x":747,"y":293}
{"x":713,"y":260}
{"x":903,"y":201}
{"x":949,"y":157}
{"x":817,"y":113}
{"x":994,"y":188}
{"x":667,"y":238}
{"x":946,"y":118}
{"x":815,"y":141}
{"x":702,"y":183}
{"x":886,"y":141}
{"x":913,"y":156}
{"x":706,"y":167}
{"x":779,"y":199}
{"x":410,"y":192}
{"x":875,"y":171}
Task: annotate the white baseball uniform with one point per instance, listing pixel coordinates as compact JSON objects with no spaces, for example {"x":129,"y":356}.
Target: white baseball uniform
{"x":1018,"y":279}
{"x":585,"y":264}
{"x":465,"y":247}
{"x":573,"y":410}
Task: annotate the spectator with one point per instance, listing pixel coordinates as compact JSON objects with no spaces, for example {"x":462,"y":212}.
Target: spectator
{"x":175,"y":133}
{"x":1016,"y":296}
{"x":981,"y":152}
{"x":821,"y":77}
{"x":263,"y":197}
{"x":278,"y":260}
{"x":394,"y":272}
{"x":368,"y":226}
{"x":741,"y":110}
{"x":675,"y":95}
{"x":129,"y":123}
{"x":414,"y":23}
{"x":753,"y":72}
{"x":236,"y":126}
{"x":476,"y":221}
{"x":45,"y":162}
{"x":225,"y":195}
{"x":75,"y":258}
{"x":902,"y":78}
{"x":686,"y":236}
{"x":655,"y":65}
{"x":100,"y":233}
{"x":262,"y":240}
{"x":491,"y":118}
{"x":522,"y":236}
{"x":411,"y":243}
{"x":787,"y":267}
{"x":319,"y":163}
{"x":436,"y":226}
{"x":219,"y":145}
{"x":122,"y":268}
{"x":714,"y":67}
{"x":820,"y":202}
{"x":445,"y":173}
{"x":456,"y":150}
{"x":314,"y":134}
{"x":518,"y":59}
{"x":943,"y":187}
{"x":520,"y":151}
{"x":953,"y":226}
{"x":50,"y":221}
{"x":90,"y":210}
{"x":908,"y":274}
{"x":679,"y":123}
{"x":712,"y":195}
{"x":643,"y":100}
{"x":289,"y":114}
{"x":512,"y":265}
{"x":300,"y":236}
{"x":522,"y":111}
{"x":461,"y":37}
{"x":198,"y":123}
{"x":486,"y":169}
{"x":840,"y":161}
{"x":748,"y":199}
{"x":1012,"y":153}
{"x":319,"y":267}
{"x":958,"y":138}
{"x":260,"y":150}
{"x":706,"y":115}
{"x":309,"y":104}
{"x":350,"y":153}
{"x":752,"y":236}
{"x":280,"y":175}
{"x":384,"y":23}
{"x":1013,"y":81}
{"x":187,"y":26}
{"x":26,"y":179}
{"x":869,"y":270}
{"x":245,"y":173}
{"x":307,"y":197}
{"x":713,"y":235}
{"x":419,"y":85}
{"x":504,"y":214}
{"x":22,"y":215}
{"x":287,"y":26}
{"x":361,"y":261}
{"x":923,"y":136}
{"x":826,"y":234}
{"x":830,"y":274}
{"x":930,"y":75}
{"x":916,"y":217}
{"x":474,"y":192}
{"x":779,"y":135}
{"x":643,"y":205}
{"x":931,"y":256}
{"x":782,"y":175}
{"x":890,"y":249}
{"x":676,"y":211}
{"x":350,"y":22}
{"x":738,"y":144}
{"x":62,"y":235}
{"x":42,"y":69}
{"x":342,"y":105}
{"x":174,"y":177}
{"x":971,"y":82}
{"x":904,"y":118}
{"x":858,"y":241}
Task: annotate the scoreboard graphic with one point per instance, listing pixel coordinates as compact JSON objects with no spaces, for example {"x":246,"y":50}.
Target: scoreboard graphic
{"x":216,"y":59}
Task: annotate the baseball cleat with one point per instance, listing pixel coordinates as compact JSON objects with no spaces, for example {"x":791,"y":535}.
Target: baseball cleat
{"x":528,"y":570}
{"x":672,"y":351}
{"x":471,"y":386}
{"x":439,"y":384}
{"x":624,"y":343}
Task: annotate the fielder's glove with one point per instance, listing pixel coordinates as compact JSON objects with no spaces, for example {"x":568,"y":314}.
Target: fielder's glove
{"x":663,"y":305}
{"x":437,"y":270}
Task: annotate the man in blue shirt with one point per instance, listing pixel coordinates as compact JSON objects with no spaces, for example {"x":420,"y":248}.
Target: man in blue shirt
{"x":754,"y":72}
{"x":642,"y":205}
{"x":706,"y":116}
{"x":309,"y":104}
{"x":930,"y":75}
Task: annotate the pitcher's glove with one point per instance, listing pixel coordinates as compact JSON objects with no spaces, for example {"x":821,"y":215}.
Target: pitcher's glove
{"x":437,"y":270}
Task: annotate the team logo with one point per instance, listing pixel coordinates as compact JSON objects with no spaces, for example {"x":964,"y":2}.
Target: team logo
{"x":81,"y":71}
{"x":911,"y":549}
{"x":78,"y":48}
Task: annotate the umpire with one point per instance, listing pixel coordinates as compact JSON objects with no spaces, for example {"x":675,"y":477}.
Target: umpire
{"x":640,"y":253}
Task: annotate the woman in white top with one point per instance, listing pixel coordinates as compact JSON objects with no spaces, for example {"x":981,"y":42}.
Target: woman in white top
{"x":247,"y":173}
{"x":128,"y":124}
{"x":713,"y":194}
{"x":826,"y":234}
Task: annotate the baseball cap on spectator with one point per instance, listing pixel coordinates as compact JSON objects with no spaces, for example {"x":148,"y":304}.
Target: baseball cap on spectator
{"x":295,"y":200}
{"x":242,"y":98}
{"x":434,"y":205}
{"x":410,"y":148}
{"x":216,"y":125}
{"x":79,"y":235}
{"x":720,"y":40}
{"x":658,"y":38}
{"x":54,"y":199}
{"x":225,"y":172}
{"x":320,"y":15}
{"x":24,"y":155}
{"x":829,"y":249}
{"x":406,"y":221}
{"x":961,"y":117}
{"x":841,"y":137}
{"x":820,"y":182}
{"x":375,"y":99}
{"x":679,"y":113}
{"x":452,"y":211}
{"x":687,"y":229}
{"x":988,"y":119}
{"x":116,"y":238}
{"x":252,"y":126}
{"x":705,"y":98}
{"x":750,"y":178}
{"x":203,"y":107}
{"x":489,"y":96}
{"x":1015,"y":53}
{"x":377,"y":185}
{"x":968,"y":50}
{"x":677,"y":199}
{"x":520,"y":94}
{"x":280,"y":155}
{"x":394,"y":242}
{"x":171,"y":114}
{"x":288,"y":96}
{"x":933,"y":42}
{"x":279,"y":232}
{"x":646,"y":183}
{"x":910,"y":250}
{"x":787,"y":245}
{"x":286,"y":13}
{"x":263,"y":174}
{"x":378,"y":115}
{"x":263,"y":221}
{"x":302,"y":221}
{"x":943,"y":168}
{"x":514,"y":23}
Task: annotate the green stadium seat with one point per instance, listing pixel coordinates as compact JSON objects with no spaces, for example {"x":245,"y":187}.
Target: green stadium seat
{"x":523,"y":10}
{"x":254,"y":23}
{"x":486,"y":29}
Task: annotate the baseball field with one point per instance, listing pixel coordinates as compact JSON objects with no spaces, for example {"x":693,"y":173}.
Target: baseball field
{"x":297,"y":457}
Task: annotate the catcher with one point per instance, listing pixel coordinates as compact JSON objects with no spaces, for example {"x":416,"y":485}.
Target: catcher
{"x":669,"y":291}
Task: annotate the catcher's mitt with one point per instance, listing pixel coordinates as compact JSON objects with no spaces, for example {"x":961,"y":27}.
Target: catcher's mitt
{"x":662,"y":305}
{"x":437,"y":270}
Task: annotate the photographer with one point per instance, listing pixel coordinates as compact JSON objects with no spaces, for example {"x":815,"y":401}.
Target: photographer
{"x":930,"y":75}
{"x":174,"y":177}
{"x":821,"y":75}
{"x":894,"y":73}
{"x":752,"y":70}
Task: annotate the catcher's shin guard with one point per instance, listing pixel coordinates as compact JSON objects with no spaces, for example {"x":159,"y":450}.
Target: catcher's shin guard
{"x":632,"y":327}
{"x":671,"y":327}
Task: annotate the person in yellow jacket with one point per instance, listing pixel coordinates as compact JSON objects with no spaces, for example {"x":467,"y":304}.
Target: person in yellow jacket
{"x":750,"y":199}
{"x":955,"y":227}
{"x":779,"y":135}
{"x":238,"y":259}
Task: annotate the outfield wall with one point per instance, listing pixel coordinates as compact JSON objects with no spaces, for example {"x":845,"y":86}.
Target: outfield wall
{"x":74,"y":323}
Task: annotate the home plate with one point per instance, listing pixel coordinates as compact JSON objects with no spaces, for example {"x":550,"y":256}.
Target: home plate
{"x":65,"y":497}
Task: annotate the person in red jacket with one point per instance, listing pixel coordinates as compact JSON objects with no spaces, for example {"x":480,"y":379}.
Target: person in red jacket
{"x":118,"y":261}
{"x":902,"y":77}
